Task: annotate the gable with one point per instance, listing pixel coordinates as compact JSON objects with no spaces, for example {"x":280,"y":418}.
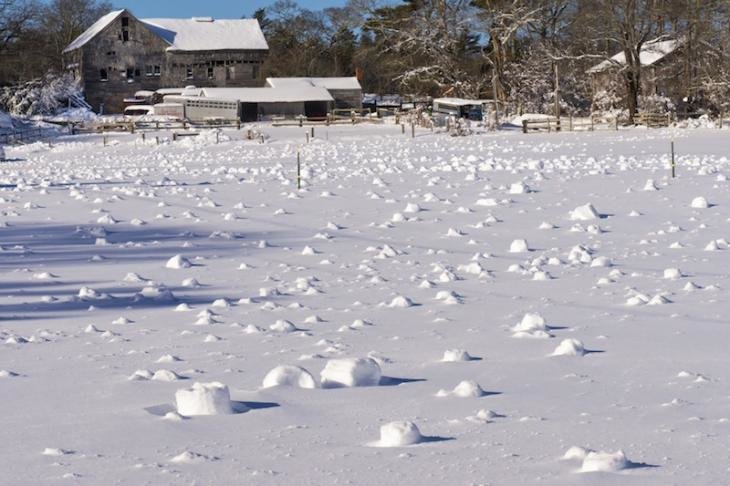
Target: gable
{"x":95,"y":29}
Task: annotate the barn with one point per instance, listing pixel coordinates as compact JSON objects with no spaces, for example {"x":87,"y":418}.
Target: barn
{"x":120,"y":55}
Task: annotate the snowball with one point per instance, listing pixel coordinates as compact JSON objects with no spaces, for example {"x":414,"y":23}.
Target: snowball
{"x":283,"y":326}
{"x":584,"y":213}
{"x":569,"y":347}
{"x":399,"y":434}
{"x":604,"y":462}
{"x":204,"y":399}
{"x":700,"y":203}
{"x":350,"y":372}
{"x":287,"y":375}
{"x":400,"y":302}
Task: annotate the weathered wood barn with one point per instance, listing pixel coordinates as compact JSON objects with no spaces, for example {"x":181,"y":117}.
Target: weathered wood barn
{"x":120,"y":55}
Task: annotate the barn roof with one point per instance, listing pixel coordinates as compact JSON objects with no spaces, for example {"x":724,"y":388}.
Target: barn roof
{"x":207,"y":34}
{"x":268,"y":95}
{"x":341,"y":83}
{"x":93,"y":31}
{"x":651,"y":53}
{"x":196,"y":34}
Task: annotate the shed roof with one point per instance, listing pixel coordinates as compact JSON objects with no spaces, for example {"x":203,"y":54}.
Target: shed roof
{"x":268,"y":95}
{"x":333,"y":83}
{"x":651,"y":53}
{"x":196,"y":34}
{"x":458,"y":101}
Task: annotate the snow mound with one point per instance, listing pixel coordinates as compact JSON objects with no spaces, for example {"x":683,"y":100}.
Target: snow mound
{"x":350,"y":372}
{"x":584,"y":213}
{"x":177,"y":262}
{"x":465,"y":389}
{"x":287,"y":375}
{"x":453,"y":355}
{"x":531,"y":322}
{"x":398,"y":434}
{"x":400,"y":302}
{"x":604,"y":462}
{"x":519,"y":246}
{"x":55,"y":452}
{"x":576,"y":453}
{"x":188,"y":457}
{"x":569,"y":347}
{"x":204,"y":399}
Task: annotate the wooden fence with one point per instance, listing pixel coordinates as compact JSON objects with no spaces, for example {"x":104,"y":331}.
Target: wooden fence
{"x":25,"y":136}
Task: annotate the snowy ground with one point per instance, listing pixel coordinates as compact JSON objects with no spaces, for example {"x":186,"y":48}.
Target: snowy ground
{"x":401,"y":249}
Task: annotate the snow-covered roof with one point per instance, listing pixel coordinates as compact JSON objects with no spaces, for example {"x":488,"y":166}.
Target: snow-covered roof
{"x":341,"y":83}
{"x":268,"y":95}
{"x":458,"y":101}
{"x":92,"y":31}
{"x":196,"y":34}
{"x":207,"y":34}
{"x":652,"y":52}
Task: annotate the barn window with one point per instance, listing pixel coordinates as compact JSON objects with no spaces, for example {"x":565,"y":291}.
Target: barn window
{"x":190,"y":72}
{"x":103,"y":76}
{"x":148,"y":71}
{"x":130,"y":74}
{"x":136,"y":73}
{"x":158,"y":70}
{"x":125,"y":36}
{"x":210,"y":73}
{"x":125,"y":21}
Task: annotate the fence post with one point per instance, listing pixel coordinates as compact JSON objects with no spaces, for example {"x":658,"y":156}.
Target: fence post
{"x":104,"y":136}
{"x":312,"y":134}
{"x":673,"y":165}
{"x":413,"y":130}
{"x":403,"y":128}
{"x":238,"y":124}
{"x":570,"y":122}
{"x":616,"y":122}
{"x":157,"y":140}
{"x":524,"y":126}
{"x":720,"y":119}
{"x":174,"y":136}
{"x":299,"y":172}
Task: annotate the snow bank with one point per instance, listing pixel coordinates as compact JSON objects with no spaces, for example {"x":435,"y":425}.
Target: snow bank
{"x":398,"y":434}
{"x":204,"y":399}
{"x":349,"y":372}
{"x":287,"y":375}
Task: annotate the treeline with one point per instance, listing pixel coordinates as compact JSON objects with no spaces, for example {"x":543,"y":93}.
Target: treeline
{"x":515,"y":51}
{"x":34,"y":33}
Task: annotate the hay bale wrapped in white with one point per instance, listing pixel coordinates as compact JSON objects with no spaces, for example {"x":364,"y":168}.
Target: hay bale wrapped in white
{"x":399,"y":434}
{"x":289,"y":375}
{"x":204,"y":399}
{"x":349,"y":372}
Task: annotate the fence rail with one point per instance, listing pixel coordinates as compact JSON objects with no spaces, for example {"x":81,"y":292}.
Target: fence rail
{"x":28,"y":135}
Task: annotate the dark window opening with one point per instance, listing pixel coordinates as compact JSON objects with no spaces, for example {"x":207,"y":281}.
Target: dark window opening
{"x":130,"y":74}
{"x":158,"y":70}
{"x":136,"y":73}
{"x":125,"y":21}
{"x":111,"y":53}
{"x":190,"y":72}
{"x":103,"y":76}
{"x":125,"y":36}
{"x":148,"y":70}
{"x":210,"y":73}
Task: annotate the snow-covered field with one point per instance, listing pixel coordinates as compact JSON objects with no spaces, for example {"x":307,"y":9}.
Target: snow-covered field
{"x":479,"y":310}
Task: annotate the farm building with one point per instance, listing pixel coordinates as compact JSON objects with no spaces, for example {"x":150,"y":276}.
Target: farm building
{"x":346,"y":92}
{"x":459,"y":107}
{"x":664,"y":71}
{"x":120,"y":55}
{"x":252,"y":104}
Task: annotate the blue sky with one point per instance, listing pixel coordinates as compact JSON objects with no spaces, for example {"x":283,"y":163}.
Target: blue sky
{"x":210,"y":8}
